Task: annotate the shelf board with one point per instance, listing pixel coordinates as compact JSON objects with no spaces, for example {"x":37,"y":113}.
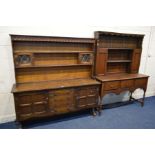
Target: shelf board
{"x":57,"y":52}
{"x":120,"y":48}
{"x":61,"y":65}
{"x":113,"y":61}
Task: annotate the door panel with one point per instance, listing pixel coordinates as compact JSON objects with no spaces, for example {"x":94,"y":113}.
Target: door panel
{"x":136,"y":60}
{"x":101,"y":61}
{"x":61,"y":101}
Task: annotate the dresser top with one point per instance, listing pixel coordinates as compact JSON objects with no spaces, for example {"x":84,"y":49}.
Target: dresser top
{"x":117,"y":77}
{"x":50,"y":39}
{"x":97,"y":33}
{"x":53,"y":85}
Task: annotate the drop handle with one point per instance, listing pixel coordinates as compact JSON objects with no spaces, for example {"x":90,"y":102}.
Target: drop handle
{"x":51,"y":95}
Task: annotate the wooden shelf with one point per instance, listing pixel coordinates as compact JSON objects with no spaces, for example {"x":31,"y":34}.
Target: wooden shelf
{"x":61,"y":65}
{"x":120,"y":48}
{"x":57,"y":52}
{"x":131,"y":49}
{"x":113,"y":61}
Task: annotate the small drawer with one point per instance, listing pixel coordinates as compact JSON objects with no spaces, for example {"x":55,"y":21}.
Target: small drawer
{"x":30,"y":97}
{"x":61,"y":92}
{"x":93,"y":90}
{"x":90,"y":90}
{"x":141,"y":82}
{"x":111,"y":85}
{"x":127,"y":84}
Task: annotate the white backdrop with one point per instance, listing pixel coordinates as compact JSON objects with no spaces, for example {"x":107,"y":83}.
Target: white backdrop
{"x":7,"y":78}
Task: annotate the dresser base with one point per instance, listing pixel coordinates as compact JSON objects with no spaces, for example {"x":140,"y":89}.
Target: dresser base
{"x":119,"y":83}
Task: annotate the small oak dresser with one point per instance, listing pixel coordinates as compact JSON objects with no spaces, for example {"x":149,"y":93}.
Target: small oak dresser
{"x":117,"y":63}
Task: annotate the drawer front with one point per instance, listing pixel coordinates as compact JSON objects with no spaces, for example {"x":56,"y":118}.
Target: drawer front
{"x":61,"y":101}
{"x":87,"y":96}
{"x":127,"y":84}
{"x":90,"y":90}
{"x":141,"y":83}
{"x":62,"y":92}
{"x":31,"y":104}
{"x":93,"y":90}
{"x":111,"y":85}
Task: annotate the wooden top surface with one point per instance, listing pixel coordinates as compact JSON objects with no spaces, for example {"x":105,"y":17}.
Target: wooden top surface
{"x":120,"y":77}
{"x":118,"y":34}
{"x":53,"y":85}
{"x":50,"y":39}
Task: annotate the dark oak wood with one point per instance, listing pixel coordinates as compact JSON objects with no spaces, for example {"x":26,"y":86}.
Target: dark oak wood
{"x":117,"y":63}
{"x":56,"y":75}
{"x":53,"y":76}
{"x":56,"y":84}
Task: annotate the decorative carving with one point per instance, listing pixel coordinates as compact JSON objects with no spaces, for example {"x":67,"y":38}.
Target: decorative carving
{"x":23,"y":59}
{"x":85,"y":58}
{"x":51,"y":39}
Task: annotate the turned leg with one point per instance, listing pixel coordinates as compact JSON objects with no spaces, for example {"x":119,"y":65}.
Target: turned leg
{"x":130,"y":96}
{"x":99,"y":109}
{"x":93,"y":111}
{"x":143,"y":99}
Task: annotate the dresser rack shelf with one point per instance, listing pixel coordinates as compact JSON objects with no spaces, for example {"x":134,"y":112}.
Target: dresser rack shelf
{"x":48,"y":66}
{"x":57,"y":52}
{"x":117,"y":63}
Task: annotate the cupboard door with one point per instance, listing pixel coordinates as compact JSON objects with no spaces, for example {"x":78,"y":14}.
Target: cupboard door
{"x":136,"y":60}
{"x":61,"y":101}
{"x":31,"y":104}
{"x":101,"y":61}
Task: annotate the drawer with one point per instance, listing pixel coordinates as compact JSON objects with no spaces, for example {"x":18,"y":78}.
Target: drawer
{"x":30,"y":97}
{"x":93,"y":90}
{"x":141,"y":82}
{"x":31,"y":104}
{"x":127,"y":84}
{"x":87,"y":102}
{"x":87,"y":97}
{"x":85,"y":91}
{"x":61,"y":92}
{"x":111,"y":85}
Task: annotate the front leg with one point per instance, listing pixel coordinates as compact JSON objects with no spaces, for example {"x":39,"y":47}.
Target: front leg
{"x":93,"y":111}
{"x":143,"y":99}
{"x":99,"y":109}
{"x":130,"y":99}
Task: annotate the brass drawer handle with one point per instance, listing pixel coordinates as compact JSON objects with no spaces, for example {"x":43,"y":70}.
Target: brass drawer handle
{"x":94,"y":95}
{"x":24,"y":105}
{"x":51,"y":95}
{"x":41,"y":102}
{"x":81,"y":97}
